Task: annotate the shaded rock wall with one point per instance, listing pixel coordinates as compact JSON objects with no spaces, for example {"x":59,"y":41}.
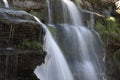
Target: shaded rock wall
{"x":27,"y":4}
{"x":19,"y":65}
{"x":21,"y":45}
{"x":35,"y":7}
{"x":17,"y":26}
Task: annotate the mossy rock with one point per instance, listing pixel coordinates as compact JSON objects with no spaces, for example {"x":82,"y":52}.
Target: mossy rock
{"x":18,"y":26}
{"x":109,"y":30}
{"x":1,"y":4}
{"x":117,"y":58}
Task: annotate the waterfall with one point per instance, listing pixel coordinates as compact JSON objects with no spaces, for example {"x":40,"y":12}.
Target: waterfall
{"x":82,"y":47}
{"x":83,"y":51}
{"x":74,"y":13}
{"x":6,"y":3}
{"x":49,"y":13}
{"x":55,"y":67}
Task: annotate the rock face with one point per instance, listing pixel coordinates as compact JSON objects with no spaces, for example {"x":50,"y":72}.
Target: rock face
{"x":19,"y":65}
{"x":21,"y":40}
{"x":18,"y":26}
{"x":27,"y":4}
{"x":13,"y":17}
{"x":105,"y":7}
{"x":35,"y":7}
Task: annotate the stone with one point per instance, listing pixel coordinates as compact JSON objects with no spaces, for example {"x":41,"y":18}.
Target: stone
{"x":17,"y":30}
{"x":9,"y":16}
{"x":27,"y":4}
{"x":17,"y":26}
{"x":19,"y":64}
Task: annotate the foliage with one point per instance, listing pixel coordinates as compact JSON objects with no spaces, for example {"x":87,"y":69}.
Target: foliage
{"x":27,"y":44}
{"x":117,"y":58}
{"x":36,"y":13}
{"x":108,"y":29}
{"x":52,"y":30}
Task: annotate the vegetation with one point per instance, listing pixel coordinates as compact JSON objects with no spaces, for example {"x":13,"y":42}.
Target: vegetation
{"x":108,"y":29}
{"x":52,"y":30}
{"x":27,"y":44}
{"x":117,"y":58}
{"x":37,"y":13}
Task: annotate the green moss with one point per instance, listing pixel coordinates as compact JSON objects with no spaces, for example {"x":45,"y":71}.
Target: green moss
{"x":52,"y":30}
{"x":27,"y":44}
{"x":109,"y":30}
{"x":36,"y":13}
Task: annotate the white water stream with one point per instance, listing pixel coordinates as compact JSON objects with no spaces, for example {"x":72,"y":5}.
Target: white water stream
{"x":82,"y":49}
{"x":84,"y":55}
{"x":55,"y":67}
{"x":6,"y":3}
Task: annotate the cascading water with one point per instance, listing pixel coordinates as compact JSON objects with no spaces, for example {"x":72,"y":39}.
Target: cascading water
{"x":74,"y":13}
{"x":49,"y":13}
{"x":82,"y":49}
{"x":53,"y":68}
{"x":6,"y":3}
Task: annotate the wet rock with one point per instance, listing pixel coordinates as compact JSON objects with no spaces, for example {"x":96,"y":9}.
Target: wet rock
{"x":13,"y":17}
{"x":104,"y":7}
{"x":21,"y":41}
{"x":27,"y":4}
{"x":19,"y":64}
{"x":18,"y":27}
{"x":1,"y":4}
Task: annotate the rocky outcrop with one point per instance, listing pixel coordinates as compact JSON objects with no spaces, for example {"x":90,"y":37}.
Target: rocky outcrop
{"x":1,"y":3}
{"x":21,"y":41}
{"x":19,"y":65}
{"x":27,"y":4}
{"x":35,"y":7}
{"x":117,"y":4}
{"x":13,"y":17}
{"x":104,"y":7}
{"x":18,"y":25}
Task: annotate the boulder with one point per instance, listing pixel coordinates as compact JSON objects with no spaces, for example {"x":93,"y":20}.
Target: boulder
{"x":21,"y":41}
{"x":17,"y":26}
{"x":19,"y":65}
{"x":13,"y":17}
{"x":27,"y":4}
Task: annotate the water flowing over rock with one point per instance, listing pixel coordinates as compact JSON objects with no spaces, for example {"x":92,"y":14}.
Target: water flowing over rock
{"x":78,"y":45}
{"x":53,"y":68}
{"x":21,"y":39}
{"x":9,"y":16}
{"x":19,"y":65}
{"x":6,"y":3}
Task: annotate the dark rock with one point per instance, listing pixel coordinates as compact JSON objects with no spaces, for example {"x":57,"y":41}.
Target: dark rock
{"x":19,"y":65}
{"x":1,"y":3}
{"x":21,"y":40}
{"x":18,"y":17}
{"x":17,"y":26}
